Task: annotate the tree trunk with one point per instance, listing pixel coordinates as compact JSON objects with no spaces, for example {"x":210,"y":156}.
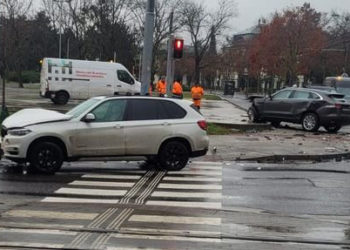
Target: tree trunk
{"x":197,"y":71}
{"x":20,"y":80}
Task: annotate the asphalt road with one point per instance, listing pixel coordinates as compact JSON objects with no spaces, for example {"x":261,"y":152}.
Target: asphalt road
{"x":208,"y":205}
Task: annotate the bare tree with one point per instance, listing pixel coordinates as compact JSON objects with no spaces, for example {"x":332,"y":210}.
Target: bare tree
{"x":16,"y":43}
{"x":202,"y":25}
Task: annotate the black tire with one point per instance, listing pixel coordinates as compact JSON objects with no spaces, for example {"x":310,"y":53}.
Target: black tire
{"x":310,"y":122}
{"x":173,"y":156}
{"x":332,"y":128}
{"x":45,"y":158}
{"x":61,"y":98}
{"x":253,"y":115}
{"x":275,"y":124}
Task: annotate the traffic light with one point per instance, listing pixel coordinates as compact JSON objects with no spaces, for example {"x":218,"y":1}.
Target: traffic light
{"x":178,"y":48}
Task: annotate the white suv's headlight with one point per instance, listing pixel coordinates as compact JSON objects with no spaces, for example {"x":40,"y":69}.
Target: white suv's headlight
{"x":19,"y":132}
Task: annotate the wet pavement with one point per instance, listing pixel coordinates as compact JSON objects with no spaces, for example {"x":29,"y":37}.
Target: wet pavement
{"x":226,"y":205}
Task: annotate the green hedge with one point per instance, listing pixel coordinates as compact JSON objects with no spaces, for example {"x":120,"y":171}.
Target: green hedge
{"x":27,"y":77}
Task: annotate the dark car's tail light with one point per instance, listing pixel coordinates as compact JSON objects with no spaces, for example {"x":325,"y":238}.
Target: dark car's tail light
{"x":338,"y":106}
{"x":203,"y":124}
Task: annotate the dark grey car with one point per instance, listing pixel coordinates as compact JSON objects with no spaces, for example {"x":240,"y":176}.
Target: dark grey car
{"x":308,"y":107}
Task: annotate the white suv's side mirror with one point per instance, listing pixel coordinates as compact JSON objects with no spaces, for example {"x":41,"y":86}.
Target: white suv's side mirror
{"x":89,"y":117}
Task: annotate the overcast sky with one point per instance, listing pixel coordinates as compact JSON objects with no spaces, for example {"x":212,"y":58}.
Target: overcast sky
{"x":249,"y":11}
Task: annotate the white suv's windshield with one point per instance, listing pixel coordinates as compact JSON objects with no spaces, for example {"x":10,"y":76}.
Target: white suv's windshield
{"x":81,"y":108}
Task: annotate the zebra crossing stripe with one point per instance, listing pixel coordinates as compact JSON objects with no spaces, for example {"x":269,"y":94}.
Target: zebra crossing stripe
{"x":50,"y":214}
{"x":199,"y":172}
{"x":91,"y":192}
{"x":190,"y":186}
{"x":176,"y":219}
{"x":167,"y":238}
{"x":190,"y":178}
{"x":101,"y":184}
{"x":186,"y":195}
{"x":36,"y":231}
{"x":212,"y":205}
{"x":79,"y":200}
{"x":117,"y":177}
{"x":206,"y":163}
{"x":158,"y":231}
{"x":22,"y":245}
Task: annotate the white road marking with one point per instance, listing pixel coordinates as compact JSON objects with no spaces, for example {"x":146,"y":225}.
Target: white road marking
{"x":176,"y":219}
{"x":79,"y":200}
{"x":191,"y":178}
{"x":202,"y":167}
{"x":36,"y":231}
{"x":102,"y":184}
{"x":190,"y":186}
{"x":215,"y":205}
{"x":121,"y":176}
{"x":197,"y":172}
{"x":169,"y":238}
{"x":31,"y":245}
{"x":207,"y":163}
{"x":86,"y":191}
{"x":186,"y":195}
{"x":40,"y":225}
{"x":50,"y":214}
{"x":172,"y":231}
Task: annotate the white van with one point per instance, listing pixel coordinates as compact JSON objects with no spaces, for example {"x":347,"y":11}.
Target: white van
{"x":64,"y":79}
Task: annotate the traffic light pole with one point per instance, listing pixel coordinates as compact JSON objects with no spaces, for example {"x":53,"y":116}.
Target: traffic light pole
{"x":170,"y":62}
{"x":147,"y":48}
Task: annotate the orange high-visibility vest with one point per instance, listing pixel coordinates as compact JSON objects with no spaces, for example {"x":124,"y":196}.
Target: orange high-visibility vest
{"x":161,"y":87}
{"x":197,"y":94}
{"x":177,"y":88}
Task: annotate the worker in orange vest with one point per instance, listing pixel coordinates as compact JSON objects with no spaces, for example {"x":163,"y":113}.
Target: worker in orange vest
{"x":197,"y":93}
{"x":177,"y":89}
{"x":161,"y":87}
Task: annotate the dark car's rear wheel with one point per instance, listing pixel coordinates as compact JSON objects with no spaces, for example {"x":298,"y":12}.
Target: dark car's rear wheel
{"x":253,"y":115}
{"x":332,"y":128}
{"x":310,"y":122}
{"x":173,"y":156}
{"x":45,"y":157}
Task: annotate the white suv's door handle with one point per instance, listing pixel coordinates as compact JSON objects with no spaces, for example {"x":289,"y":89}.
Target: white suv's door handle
{"x":109,"y":85}
{"x":166,"y":124}
{"x":118,"y":126}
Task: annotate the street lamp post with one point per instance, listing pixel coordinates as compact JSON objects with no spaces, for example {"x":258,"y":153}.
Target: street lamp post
{"x":4,"y":112}
{"x":60,"y":3}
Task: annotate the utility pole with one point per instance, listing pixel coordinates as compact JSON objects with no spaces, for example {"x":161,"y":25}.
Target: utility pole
{"x":147,"y":48}
{"x":170,"y":61}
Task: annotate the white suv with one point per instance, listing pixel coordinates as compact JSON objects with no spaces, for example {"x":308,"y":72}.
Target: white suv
{"x":168,"y":131}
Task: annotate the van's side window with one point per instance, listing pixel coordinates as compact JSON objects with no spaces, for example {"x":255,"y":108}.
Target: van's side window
{"x":125,"y":77}
{"x":50,"y":68}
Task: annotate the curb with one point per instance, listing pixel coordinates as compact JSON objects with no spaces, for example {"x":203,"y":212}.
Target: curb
{"x":245,"y":127}
{"x":282,"y":158}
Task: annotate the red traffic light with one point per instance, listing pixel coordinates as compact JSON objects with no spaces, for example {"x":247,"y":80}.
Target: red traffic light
{"x":178,"y":48}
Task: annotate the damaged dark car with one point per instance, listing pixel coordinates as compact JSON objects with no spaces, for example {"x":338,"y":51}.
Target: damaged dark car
{"x":309,"y":107}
